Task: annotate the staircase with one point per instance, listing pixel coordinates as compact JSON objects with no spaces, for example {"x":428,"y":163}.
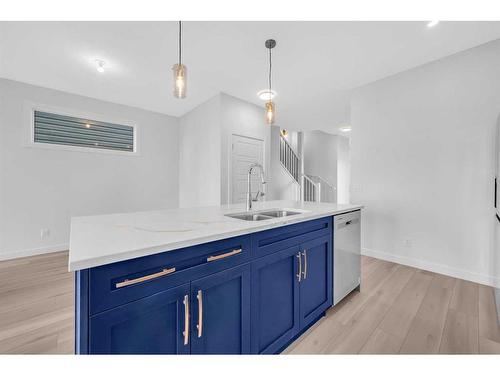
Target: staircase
{"x":289,"y":159}
{"x":314,"y":188}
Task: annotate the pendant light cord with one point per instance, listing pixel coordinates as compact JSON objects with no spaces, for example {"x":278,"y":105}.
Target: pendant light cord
{"x":180,"y":43}
{"x":270,"y":68}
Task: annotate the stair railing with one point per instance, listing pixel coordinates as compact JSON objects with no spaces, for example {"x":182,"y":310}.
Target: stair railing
{"x":326,"y":192}
{"x":289,"y":159}
{"x":314,"y":188}
{"x":311,"y":189}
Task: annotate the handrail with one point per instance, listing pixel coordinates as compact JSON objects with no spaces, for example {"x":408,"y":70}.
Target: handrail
{"x":322,"y":180}
{"x":309,"y":179}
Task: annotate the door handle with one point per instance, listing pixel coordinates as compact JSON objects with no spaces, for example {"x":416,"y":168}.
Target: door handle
{"x":304,"y":273}
{"x":186,"y":320}
{"x":200,"y":313}
{"x":299,"y":275}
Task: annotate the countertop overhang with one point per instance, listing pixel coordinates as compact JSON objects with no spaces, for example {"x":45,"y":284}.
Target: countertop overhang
{"x":105,"y":239}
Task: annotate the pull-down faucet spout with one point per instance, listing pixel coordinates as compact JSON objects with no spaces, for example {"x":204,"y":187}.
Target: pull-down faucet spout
{"x":251,"y":199}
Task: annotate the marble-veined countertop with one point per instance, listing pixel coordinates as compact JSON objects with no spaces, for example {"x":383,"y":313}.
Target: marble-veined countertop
{"x":105,"y":239}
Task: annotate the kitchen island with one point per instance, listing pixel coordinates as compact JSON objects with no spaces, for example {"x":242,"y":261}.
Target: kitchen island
{"x":202,"y":280}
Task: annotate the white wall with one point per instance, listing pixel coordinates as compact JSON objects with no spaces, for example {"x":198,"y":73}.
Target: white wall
{"x":343,"y":169}
{"x":242,"y":118}
{"x":200,"y":155}
{"x":422,"y":152}
{"x":205,"y":142}
{"x":320,"y":156}
{"x":43,"y":188}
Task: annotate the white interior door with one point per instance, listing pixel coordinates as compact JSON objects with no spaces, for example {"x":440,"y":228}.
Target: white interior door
{"x":244,"y":152}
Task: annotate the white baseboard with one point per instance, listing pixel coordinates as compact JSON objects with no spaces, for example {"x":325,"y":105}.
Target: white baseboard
{"x":435,"y":267}
{"x":35,"y":251}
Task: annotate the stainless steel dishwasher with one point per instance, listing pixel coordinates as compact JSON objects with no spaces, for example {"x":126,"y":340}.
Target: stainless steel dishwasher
{"x":346,"y":254}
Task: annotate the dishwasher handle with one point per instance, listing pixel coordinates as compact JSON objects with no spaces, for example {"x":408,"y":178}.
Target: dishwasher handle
{"x":347,"y":223}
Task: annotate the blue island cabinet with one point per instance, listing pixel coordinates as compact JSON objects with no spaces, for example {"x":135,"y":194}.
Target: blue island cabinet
{"x":147,"y":326}
{"x":316,"y":283}
{"x":291,"y":289}
{"x":210,"y":315}
{"x":275,"y":300}
{"x":221,"y":312}
{"x":249,"y":294}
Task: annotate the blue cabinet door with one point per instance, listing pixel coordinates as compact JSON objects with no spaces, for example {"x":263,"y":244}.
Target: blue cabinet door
{"x":220,"y":322}
{"x":152,"y":325}
{"x":316,"y":281}
{"x":275,"y":300}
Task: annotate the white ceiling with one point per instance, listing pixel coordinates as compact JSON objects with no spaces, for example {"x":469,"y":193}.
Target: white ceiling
{"x":315,"y":64}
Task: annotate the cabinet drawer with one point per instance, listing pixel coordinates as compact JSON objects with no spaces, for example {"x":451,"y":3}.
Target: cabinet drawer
{"x":119,"y":283}
{"x":270,"y":241}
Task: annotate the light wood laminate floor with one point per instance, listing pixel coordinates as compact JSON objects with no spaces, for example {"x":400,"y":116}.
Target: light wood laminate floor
{"x":398,"y":310}
{"x":405,"y":310}
{"x":37,"y":305}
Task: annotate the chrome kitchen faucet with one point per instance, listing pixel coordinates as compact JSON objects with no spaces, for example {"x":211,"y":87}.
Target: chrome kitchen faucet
{"x":251,"y":199}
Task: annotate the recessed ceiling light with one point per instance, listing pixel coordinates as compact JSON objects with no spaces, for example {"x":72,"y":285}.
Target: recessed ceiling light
{"x":432,"y":23}
{"x":266,"y":94}
{"x":345,"y":129}
{"x":100,"y":65}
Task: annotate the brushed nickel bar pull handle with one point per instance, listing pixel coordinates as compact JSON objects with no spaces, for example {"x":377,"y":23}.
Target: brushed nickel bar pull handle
{"x":225,"y":255}
{"x":186,"y":320}
{"x":304,"y":273}
{"x":299,"y":275}
{"x":200,"y":313}
{"x":128,"y":282}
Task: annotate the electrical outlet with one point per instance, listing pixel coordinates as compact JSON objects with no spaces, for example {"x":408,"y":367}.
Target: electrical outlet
{"x":408,"y":243}
{"x":44,"y":233}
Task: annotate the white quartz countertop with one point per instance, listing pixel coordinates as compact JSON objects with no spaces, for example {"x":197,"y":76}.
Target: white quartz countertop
{"x":105,"y":239}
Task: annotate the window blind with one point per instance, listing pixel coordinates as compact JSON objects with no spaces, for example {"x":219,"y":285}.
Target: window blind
{"x":58,"y":129}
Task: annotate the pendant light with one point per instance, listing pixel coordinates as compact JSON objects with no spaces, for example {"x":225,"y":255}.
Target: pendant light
{"x":270,"y":106}
{"x":180,"y":72}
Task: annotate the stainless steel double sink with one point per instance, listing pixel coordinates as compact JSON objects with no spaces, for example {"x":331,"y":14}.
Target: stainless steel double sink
{"x":263,"y":215}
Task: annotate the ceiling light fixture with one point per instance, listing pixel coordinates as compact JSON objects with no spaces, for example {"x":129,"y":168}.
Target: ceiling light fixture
{"x":100,"y":65}
{"x":180,"y":72}
{"x":345,"y":129}
{"x":266,"y":94}
{"x":432,"y":23}
{"x":270,"y":107}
